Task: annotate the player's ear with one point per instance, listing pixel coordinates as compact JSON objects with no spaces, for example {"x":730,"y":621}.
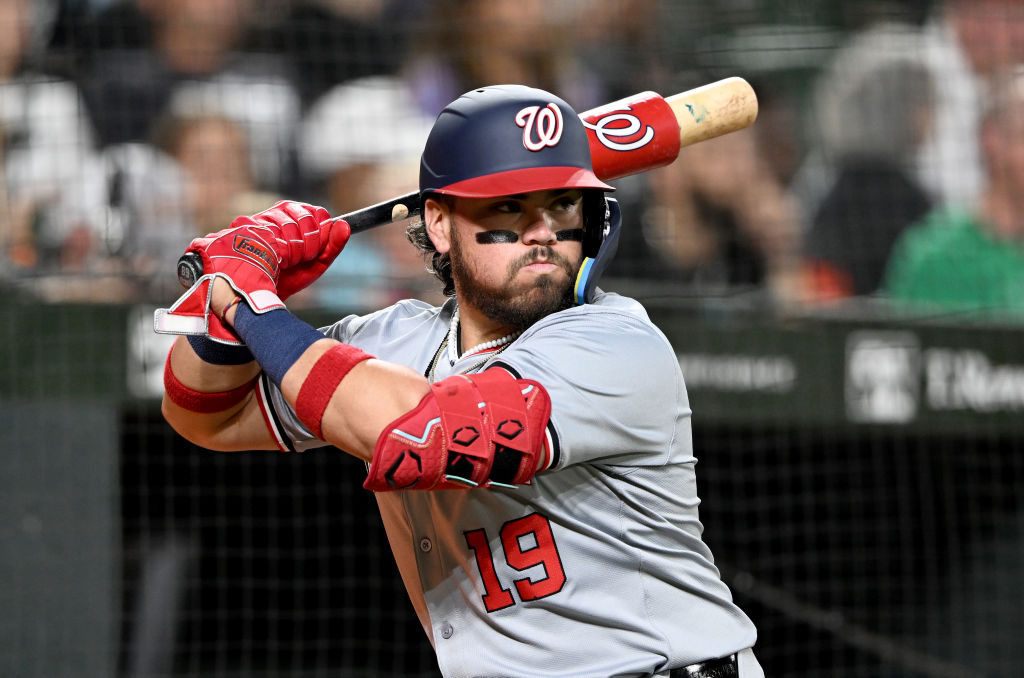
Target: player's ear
{"x":436,"y":218}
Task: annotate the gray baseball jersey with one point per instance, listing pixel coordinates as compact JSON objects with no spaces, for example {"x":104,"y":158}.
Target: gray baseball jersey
{"x":597,"y":568}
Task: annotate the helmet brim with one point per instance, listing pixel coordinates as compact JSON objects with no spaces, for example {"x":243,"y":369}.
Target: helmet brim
{"x":527,"y":180}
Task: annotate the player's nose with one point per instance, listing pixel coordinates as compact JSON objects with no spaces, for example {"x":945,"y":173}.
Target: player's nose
{"x":541,"y":230}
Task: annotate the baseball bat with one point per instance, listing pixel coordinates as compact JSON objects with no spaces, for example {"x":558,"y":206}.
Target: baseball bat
{"x":632,"y":135}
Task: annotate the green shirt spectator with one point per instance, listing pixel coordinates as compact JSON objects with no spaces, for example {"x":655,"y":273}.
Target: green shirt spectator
{"x":953,"y":261}
{"x":974,"y":261}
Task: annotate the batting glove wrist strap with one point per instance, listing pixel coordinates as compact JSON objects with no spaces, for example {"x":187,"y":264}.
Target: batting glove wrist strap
{"x":191,"y":314}
{"x":478,"y":430}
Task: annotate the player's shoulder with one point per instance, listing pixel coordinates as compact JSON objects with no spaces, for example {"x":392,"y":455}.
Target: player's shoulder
{"x":607,"y":310}
{"x":406,"y":309}
{"x":610,"y":319}
{"x":403,"y":317}
{"x":609,"y":346}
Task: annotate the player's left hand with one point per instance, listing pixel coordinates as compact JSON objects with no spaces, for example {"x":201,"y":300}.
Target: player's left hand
{"x":246,"y":257}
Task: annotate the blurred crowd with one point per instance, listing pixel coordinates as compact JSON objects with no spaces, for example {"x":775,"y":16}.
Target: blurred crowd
{"x":889,"y":176}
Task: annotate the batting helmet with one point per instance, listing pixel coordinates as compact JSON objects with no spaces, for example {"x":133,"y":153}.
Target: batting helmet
{"x":509,"y":139}
{"x":506,"y":139}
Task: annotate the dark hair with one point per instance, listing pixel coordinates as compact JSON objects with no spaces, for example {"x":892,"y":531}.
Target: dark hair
{"x":437,"y":263}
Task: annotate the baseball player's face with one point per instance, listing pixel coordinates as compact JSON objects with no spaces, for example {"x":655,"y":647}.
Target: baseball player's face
{"x":515,"y":257}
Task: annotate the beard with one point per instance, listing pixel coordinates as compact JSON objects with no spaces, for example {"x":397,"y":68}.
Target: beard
{"x":516,"y":306}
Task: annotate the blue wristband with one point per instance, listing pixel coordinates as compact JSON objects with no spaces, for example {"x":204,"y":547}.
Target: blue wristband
{"x":216,"y":353}
{"x":276,"y":338}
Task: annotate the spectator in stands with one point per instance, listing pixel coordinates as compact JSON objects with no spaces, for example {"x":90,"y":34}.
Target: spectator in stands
{"x":138,"y":199}
{"x":967,"y":42}
{"x":717,"y":220}
{"x":361,"y":144}
{"x":145,"y":200}
{"x":193,"y":57}
{"x":213,"y":151}
{"x":46,"y":142}
{"x":873,"y":107}
{"x":330,"y":42}
{"x":471,"y":43}
{"x":206,"y":159}
{"x":973,"y":260}
{"x":606,"y":34}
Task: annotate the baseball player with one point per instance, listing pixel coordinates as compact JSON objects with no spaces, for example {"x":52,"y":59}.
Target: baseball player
{"x":528,"y":441}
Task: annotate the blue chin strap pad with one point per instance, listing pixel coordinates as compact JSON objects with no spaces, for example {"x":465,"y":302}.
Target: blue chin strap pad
{"x":591,"y":269}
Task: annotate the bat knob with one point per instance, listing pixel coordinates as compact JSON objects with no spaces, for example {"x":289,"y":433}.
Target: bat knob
{"x":190,"y":269}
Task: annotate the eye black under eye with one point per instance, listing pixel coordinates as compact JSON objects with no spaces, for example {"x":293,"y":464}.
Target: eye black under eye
{"x":570,"y":234}
{"x":496,"y":237}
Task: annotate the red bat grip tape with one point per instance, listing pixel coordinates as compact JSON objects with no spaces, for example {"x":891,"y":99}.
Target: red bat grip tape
{"x":632,"y":135}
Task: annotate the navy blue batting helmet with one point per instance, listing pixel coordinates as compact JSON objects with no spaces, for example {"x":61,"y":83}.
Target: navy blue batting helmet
{"x":504,"y":140}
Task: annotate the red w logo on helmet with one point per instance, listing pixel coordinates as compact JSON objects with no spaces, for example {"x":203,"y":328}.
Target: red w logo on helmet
{"x":545,"y":123}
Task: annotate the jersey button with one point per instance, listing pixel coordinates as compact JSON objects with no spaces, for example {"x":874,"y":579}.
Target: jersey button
{"x":447,"y":630}
{"x":425,"y":545}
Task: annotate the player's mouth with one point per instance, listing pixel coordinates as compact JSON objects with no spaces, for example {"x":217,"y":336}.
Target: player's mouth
{"x":541,"y":262}
{"x":541,"y":267}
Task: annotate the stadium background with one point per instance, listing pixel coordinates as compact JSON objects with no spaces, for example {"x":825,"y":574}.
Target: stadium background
{"x":860,"y":468}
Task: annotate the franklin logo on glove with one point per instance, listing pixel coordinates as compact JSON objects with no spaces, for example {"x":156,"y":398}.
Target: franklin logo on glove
{"x":257,"y":251}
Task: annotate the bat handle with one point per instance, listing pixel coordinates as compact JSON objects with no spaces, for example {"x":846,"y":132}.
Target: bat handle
{"x":190,"y":269}
{"x":386,"y":212}
{"x":190,"y":264}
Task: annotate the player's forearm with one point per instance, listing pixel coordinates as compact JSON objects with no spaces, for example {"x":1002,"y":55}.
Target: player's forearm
{"x":194,"y":372}
{"x":370,"y":396}
{"x":346,"y":404}
{"x":241,"y":428}
{"x":205,"y":402}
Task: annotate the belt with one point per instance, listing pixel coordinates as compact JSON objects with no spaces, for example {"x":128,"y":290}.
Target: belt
{"x":724,"y":667}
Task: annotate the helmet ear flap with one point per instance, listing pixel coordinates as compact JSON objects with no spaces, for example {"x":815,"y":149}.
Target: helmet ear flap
{"x":596,"y":218}
{"x":594,"y":266}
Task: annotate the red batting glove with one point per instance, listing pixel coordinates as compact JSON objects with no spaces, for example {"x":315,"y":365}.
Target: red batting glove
{"x":266,"y":258}
{"x":308,"y":242}
{"x":244,"y":255}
